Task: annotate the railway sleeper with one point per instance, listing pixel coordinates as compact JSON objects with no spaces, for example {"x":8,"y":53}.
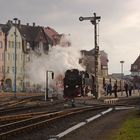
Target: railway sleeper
{"x":39,"y":124}
{"x":111,"y":101}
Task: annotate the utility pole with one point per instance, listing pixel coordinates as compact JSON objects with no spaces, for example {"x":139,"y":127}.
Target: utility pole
{"x":15,"y":58}
{"x":122,"y":62}
{"x":94,"y":20}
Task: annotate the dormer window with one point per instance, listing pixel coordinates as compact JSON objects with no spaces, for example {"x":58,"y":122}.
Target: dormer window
{"x":135,"y":67}
{"x":28,"y":45}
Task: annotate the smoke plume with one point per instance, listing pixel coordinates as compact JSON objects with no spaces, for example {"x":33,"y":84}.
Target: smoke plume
{"x":59,"y":59}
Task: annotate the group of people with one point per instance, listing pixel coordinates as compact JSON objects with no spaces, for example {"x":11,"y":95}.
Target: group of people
{"x":109,"y":89}
{"x":128,"y":89}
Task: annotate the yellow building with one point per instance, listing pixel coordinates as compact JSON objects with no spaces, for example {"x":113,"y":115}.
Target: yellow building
{"x":2,"y":47}
{"x":21,"y":42}
{"x":10,"y":60}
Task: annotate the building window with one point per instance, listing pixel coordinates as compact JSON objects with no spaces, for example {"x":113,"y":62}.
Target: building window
{"x":2,"y":68}
{"x":27,"y":58}
{"x":8,"y":69}
{"x":0,"y":44}
{"x":12,"y":44}
{"x":14,"y":56}
{"x":17,"y":57}
{"x":9,"y":44}
{"x":13,"y":69}
{"x":8,"y":57}
{"x":21,"y":69}
{"x":21,"y":57}
{"x":19,"y":45}
{"x":1,"y":56}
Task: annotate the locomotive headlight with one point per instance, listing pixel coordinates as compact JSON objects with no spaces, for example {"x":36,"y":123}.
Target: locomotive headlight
{"x":66,"y":86}
{"x":76,"y":86}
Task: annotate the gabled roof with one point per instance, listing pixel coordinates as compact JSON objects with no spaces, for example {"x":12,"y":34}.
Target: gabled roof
{"x":5,"y":27}
{"x":137,"y":61}
{"x":136,"y":65}
{"x":54,"y":36}
{"x":29,"y":32}
{"x":90,"y":52}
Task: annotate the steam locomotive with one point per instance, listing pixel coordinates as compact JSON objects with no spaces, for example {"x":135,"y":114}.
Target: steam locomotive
{"x":76,"y":83}
{"x":79,"y":83}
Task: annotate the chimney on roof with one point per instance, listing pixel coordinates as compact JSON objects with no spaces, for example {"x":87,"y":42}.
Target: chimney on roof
{"x":18,"y":22}
{"x":33,"y":24}
{"x":10,"y":21}
{"x":27,"y":24}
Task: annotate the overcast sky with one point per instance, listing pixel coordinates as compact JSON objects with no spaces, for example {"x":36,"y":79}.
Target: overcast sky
{"x":119,"y":28}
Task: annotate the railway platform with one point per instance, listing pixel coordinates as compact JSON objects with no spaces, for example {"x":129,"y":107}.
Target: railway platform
{"x":108,"y":99}
{"x":122,"y":94}
{"x":84,"y":100}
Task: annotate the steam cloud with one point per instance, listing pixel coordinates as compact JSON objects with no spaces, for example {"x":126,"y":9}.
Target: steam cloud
{"x":59,"y":59}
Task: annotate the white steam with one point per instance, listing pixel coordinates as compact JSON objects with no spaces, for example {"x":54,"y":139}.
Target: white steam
{"x":58,"y":60}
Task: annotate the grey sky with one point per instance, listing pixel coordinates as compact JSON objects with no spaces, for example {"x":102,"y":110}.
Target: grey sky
{"x":119,"y":27}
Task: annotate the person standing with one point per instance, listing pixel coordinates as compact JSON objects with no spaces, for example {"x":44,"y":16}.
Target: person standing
{"x":126,"y":89}
{"x":130,"y":88}
{"x":106,"y":89}
{"x":110,"y":89}
{"x":138,"y":88}
{"x":115,"y":89}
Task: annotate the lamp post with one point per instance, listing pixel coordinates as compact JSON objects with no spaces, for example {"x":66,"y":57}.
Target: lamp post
{"x":94,"y":20}
{"x":47,"y":83}
{"x":121,"y":68}
{"x":121,"y":75}
{"x":15,"y":57}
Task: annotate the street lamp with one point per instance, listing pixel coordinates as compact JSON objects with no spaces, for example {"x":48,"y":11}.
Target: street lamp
{"x":121,"y":68}
{"x":94,"y":20}
{"x":15,"y":57}
{"x":47,"y":82}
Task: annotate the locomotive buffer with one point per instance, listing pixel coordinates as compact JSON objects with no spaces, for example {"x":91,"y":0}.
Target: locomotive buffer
{"x":94,"y":20}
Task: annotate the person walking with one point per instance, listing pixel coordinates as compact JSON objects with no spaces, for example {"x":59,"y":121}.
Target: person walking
{"x":130,"y":88}
{"x":126,"y":89}
{"x":106,"y":89}
{"x":115,"y":89}
{"x":138,"y":87}
{"x":110,"y":89}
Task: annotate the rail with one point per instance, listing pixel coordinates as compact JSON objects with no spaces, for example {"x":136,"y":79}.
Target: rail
{"x":38,"y":121}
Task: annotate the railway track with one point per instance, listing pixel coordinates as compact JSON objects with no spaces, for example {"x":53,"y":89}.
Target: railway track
{"x":14,"y":118}
{"x":25,"y":107}
{"x":29,"y":124}
{"x":16,"y":102}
